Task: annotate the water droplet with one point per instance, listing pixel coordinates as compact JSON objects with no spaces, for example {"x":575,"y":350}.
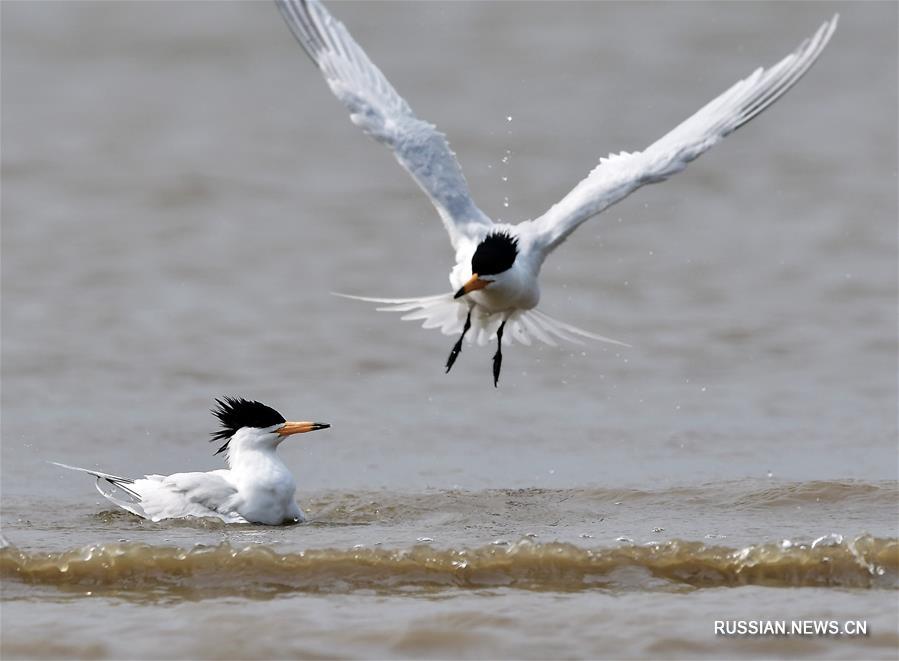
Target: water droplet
{"x":833,"y":539}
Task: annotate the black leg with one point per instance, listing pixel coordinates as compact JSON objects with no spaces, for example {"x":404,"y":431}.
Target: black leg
{"x":457,"y":348}
{"x":498,"y":356}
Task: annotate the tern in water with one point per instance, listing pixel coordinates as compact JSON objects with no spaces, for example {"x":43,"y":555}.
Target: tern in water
{"x":257,"y":487}
{"x":495,"y":279}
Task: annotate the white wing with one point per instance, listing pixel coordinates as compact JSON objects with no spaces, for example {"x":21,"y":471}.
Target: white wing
{"x":383,"y":114}
{"x":621,"y":174}
{"x":158,"y":497}
{"x":189,"y":494}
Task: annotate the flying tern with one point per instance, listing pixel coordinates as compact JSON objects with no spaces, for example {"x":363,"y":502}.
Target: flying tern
{"x":257,"y":487}
{"x":495,"y":279}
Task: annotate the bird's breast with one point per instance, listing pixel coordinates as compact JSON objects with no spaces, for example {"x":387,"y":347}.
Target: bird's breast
{"x":271,"y":505}
{"x":501,"y":297}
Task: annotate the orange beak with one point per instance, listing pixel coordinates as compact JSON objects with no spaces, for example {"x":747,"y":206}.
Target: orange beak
{"x":474,"y":283}
{"x":291,"y":428}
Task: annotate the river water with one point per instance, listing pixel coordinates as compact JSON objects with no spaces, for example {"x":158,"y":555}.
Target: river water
{"x":181,"y":193}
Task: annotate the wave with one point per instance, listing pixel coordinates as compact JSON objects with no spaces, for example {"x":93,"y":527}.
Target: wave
{"x":864,"y":562}
{"x":364,"y":507}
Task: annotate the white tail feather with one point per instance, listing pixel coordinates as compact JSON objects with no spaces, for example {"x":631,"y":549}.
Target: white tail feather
{"x":447,"y":313}
{"x":109,"y":491}
{"x":108,"y":486}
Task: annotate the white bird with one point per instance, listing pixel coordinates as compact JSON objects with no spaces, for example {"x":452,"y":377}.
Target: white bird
{"x":495,"y":279}
{"x":257,"y":487}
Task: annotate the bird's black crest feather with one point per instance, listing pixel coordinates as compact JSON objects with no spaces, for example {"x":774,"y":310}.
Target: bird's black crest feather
{"x":236,"y":412}
{"x":495,"y":254}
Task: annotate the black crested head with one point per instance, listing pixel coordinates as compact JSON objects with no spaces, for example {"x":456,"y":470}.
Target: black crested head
{"x":495,"y":254}
{"x":236,"y":412}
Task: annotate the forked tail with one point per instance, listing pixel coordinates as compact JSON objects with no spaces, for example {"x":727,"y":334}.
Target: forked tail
{"x":108,"y":486}
{"x":447,"y":313}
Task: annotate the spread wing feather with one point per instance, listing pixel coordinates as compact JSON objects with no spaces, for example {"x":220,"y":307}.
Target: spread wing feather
{"x":383,"y":114}
{"x":621,"y":174}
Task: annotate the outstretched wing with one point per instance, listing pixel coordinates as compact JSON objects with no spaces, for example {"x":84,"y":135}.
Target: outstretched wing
{"x":621,"y":174}
{"x":383,"y":114}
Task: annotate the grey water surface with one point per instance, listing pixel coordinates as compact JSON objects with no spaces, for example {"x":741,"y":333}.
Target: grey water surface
{"x":181,"y":193}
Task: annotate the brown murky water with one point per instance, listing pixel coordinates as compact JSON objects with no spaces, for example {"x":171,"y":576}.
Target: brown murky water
{"x":180,"y":195}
